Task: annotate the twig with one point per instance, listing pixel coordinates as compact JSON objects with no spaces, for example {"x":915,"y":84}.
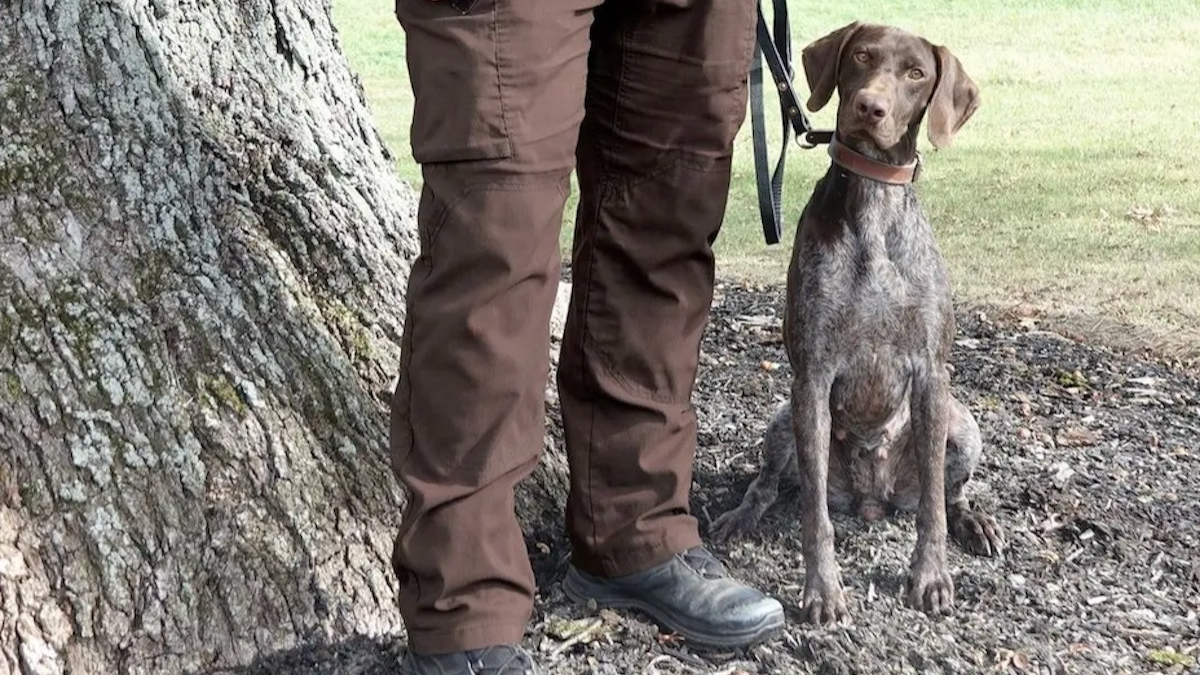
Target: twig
{"x":690,"y":659}
{"x":652,"y":667}
{"x":688,"y":662}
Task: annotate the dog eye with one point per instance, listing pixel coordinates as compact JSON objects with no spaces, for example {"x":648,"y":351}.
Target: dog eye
{"x":916,"y":74}
{"x":862,"y":56}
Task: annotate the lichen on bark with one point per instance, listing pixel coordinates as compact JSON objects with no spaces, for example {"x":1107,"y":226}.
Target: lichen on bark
{"x":194,"y":467}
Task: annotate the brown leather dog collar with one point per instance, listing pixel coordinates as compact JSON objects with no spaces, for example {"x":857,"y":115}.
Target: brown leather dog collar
{"x":858,"y":163}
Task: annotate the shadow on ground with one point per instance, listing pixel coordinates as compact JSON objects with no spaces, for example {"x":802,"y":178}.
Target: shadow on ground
{"x":1092,"y":464}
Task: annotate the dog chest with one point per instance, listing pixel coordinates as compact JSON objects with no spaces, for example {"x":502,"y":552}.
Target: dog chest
{"x":868,"y":392}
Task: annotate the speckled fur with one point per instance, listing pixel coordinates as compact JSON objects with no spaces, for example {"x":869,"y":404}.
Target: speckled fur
{"x":868,"y":326}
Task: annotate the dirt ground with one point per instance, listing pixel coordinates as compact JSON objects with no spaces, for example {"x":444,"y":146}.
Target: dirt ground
{"x":1092,"y":465}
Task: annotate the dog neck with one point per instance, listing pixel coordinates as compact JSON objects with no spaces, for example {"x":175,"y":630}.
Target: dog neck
{"x":880,"y":171}
{"x":862,"y":202}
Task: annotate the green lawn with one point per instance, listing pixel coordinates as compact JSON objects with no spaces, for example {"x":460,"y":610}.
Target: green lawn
{"x":1075,"y":190}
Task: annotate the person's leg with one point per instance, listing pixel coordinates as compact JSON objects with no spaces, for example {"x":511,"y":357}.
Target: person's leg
{"x":499,"y":90}
{"x":667,"y":93}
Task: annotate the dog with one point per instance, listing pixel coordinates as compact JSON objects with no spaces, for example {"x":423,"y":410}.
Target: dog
{"x":868,"y":325}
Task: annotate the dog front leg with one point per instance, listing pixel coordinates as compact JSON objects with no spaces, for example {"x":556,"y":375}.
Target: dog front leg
{"x":929,"y":586}
{"x":824,"y":600}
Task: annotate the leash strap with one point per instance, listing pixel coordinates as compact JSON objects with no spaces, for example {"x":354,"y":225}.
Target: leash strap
{"x":777,"y":52}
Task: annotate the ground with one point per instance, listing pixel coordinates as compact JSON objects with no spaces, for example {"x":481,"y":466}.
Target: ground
{"x":1092,"y":465}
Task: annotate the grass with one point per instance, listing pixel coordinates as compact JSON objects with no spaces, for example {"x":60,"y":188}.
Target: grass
{"x":1074,"y":192}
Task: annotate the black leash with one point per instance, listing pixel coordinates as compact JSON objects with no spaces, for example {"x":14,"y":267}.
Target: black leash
{"x":777,"y":51}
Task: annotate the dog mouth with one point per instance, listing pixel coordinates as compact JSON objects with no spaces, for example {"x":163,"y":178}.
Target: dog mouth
{"x":871,"y":141}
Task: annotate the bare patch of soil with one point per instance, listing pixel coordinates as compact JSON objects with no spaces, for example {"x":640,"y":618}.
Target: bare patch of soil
{"x":1092,"y":465}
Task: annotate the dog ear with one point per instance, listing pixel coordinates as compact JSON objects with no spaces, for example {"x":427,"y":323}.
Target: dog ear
{"x":820,"y":59}
{"x":954,"y":100}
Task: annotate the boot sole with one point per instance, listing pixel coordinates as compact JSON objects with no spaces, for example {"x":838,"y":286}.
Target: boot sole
{"x":581,"y":590}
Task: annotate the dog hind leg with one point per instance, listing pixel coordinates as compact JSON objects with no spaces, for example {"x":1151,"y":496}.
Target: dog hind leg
{"x":974,"y":531}
{"x":779,"y":464}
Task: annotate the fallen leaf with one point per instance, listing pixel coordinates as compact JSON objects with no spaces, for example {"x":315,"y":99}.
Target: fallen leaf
{"x":1007,"y":658}
{"x":1170,"y":657}
{"x":566,"y":629}
{"x":1150,"y":216}
{"x":1076,"y":437}
{"x":1071,"y":379}
{"x":1025,"y":309}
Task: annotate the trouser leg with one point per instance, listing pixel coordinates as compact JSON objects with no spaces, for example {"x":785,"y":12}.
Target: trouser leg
{"x":498,"y":101}
{"x":666,"y":96}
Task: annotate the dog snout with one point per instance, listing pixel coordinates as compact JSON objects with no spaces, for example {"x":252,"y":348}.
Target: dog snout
{"x":871,"y":108}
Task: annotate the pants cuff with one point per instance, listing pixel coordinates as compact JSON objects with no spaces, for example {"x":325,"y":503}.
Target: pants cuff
{"x":637,"y":556}
{"x":466,"y":637}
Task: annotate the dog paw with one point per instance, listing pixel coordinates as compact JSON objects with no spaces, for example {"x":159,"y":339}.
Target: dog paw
{"x":978,"y":533}
{"x":733,"y":524}
{"x":824,"y":601}
{"x":930,"y":588}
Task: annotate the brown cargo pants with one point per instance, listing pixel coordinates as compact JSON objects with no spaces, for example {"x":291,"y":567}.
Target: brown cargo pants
{"x":644,"y":98}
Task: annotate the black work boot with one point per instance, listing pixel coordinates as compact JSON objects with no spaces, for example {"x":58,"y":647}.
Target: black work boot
{"x":499,"y":660}
{"x":691,"y":594}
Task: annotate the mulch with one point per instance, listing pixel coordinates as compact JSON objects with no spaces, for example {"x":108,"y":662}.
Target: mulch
{"x":1091,"y":464}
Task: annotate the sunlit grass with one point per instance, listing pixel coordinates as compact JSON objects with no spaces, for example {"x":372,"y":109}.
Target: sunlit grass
{"x":1075,"y":189}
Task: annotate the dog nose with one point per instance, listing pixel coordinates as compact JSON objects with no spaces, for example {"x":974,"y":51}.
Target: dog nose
{"x":871,"y":109}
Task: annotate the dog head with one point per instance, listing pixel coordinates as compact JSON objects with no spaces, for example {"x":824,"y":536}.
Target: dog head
{"x":887,"y":79}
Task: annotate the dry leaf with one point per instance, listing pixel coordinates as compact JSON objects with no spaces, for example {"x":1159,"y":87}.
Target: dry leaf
{"x":1075,"y":437}
{"x":1007,"y":658}
{"x":581,"y":630}
{"x":1026,"y":310}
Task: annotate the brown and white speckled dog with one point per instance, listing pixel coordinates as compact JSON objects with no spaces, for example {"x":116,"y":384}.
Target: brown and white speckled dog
{"x":868,"y":326}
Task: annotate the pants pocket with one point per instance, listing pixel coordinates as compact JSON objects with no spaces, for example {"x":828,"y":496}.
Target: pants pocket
{"x":453,"y":55}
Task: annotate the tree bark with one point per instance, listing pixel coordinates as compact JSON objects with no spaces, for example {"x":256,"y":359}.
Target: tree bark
{"x":203,"y":255}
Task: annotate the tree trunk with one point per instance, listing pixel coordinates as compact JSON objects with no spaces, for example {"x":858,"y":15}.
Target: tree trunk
{"x":203,"y":254}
